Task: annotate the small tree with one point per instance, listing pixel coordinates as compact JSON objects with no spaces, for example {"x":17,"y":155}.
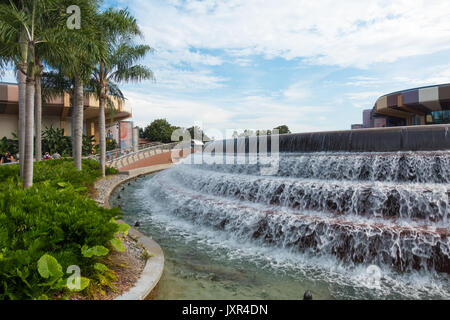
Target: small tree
{"x":197,"y":133}
{"x":159,"y":130}
{"x":283,"y":129}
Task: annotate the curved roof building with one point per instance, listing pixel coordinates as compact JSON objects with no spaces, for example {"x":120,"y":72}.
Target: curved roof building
{"x":426,"y":105}
{"x":418,"y":106}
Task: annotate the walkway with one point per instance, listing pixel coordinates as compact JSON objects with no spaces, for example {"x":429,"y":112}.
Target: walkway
{"x":157,"y":159}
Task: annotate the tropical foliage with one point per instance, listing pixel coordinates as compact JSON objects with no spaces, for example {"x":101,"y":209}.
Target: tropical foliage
{"x":52,"y":228}
{"x":119,"y":64}
{"x":9,"y":145}
{"x":54,"y":140}
{"x":51,"y":58}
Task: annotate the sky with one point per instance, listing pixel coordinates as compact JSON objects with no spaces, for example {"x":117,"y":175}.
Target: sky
{"x":312,"y":65}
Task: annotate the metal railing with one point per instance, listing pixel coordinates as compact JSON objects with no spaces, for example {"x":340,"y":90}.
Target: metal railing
{"x":126,"y":158}
{"x":116,"y":153}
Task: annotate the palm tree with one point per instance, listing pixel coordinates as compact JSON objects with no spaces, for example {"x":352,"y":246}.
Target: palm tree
{"x":18,"y":30}
{"x":119,"y":28}
{"x":87,"y":50}
{"x":82,"y":49}
{"x":26,"y":31}
{"x":17,"y":53}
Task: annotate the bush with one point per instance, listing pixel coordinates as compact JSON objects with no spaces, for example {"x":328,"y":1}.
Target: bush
{"x":9,"y":145}
{"x":53,"y":139}
{"x":51,"y":226}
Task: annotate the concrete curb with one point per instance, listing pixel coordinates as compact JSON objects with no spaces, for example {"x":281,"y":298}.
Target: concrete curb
{"x":154,"y":267}
{"x":152,"y":272}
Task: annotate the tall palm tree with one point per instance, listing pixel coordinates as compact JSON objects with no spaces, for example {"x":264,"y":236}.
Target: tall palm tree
{"x":17,"y":53}
{"x":24,"y":30}
{"x":119,"y":28}
{"x":82,"y":49}
{"x":87,"y":50}
{"x":17,"y":27}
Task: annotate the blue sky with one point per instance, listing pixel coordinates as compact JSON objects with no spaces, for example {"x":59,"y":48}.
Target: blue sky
{"x":310,"y":64}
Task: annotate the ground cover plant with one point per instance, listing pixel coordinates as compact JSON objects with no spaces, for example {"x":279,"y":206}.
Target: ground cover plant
{"x":53,"y":237}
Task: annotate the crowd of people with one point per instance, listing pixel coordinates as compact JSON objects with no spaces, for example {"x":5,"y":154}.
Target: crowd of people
{"x":9,"y":158}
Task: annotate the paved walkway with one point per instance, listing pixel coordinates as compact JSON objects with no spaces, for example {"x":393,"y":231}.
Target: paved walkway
{"x":157,"y":159}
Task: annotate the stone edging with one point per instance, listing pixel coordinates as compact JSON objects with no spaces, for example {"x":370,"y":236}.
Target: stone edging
{"x":153,"y":269}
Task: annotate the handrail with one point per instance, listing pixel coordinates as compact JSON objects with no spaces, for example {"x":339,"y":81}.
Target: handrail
{"x":126,"y":157}
{"x":115,"y":153}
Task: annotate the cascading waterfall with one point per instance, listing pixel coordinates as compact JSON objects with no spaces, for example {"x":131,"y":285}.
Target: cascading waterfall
{"x":388,"y":209}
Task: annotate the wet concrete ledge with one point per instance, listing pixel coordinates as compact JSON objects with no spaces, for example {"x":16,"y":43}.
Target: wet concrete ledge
{"x":154,"y":266}
{"x":393,"y":139}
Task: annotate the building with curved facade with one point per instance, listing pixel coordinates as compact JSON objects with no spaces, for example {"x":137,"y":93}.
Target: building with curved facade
{"x":56,"y":112}
{"x":418,"y":106}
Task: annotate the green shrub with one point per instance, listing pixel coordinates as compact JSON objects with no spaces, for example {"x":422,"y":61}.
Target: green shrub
{"x":9,"y":145}
{"x":53,"y":139}
{"x":49,"y":227}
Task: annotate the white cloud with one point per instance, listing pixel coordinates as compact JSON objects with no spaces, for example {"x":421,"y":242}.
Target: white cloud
{"x":364,"y":99}
{"x":8,"y":76}
{"x":426,"y":76}
{"x":363,"y":81}
{"x":297,"y":91}
{"x":345,"y":33}
{"x":250,"y":112}
{"x":172,"y":78}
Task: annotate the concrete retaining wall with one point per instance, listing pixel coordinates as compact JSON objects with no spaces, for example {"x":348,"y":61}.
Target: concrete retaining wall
{"x":412,"y":138}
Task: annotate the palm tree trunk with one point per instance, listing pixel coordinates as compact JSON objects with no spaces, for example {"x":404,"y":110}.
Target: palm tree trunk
{"x":38,"y":117}
{"x":29,"y":135}
{"x":72,"y":124}
{"x":102,"y":133}
{"x":22,"y":79}
{"x":78,"y":122}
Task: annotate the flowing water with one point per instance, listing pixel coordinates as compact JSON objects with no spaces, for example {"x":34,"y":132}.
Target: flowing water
{"x":344,"y":225}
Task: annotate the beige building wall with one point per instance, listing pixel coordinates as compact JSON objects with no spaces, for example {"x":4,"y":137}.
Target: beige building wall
{"x":9,"y":123}
{"x":50,"y":121}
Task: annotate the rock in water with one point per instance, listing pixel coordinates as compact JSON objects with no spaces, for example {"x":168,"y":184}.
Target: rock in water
{"x":307,"y":295}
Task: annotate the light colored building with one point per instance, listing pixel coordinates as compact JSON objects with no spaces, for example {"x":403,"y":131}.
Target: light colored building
{"x":410,"y":107}
{"x":56,"y":113}
{"x":425,"y":105}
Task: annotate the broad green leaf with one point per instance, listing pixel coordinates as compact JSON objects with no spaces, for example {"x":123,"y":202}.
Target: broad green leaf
{"x":60,"y":284}
{"x":62,"y":184}
{"x":84,"y":282}
{"x":48,"y":267}
{"x":100,"y":267}
{"x":98,"y":251}
{"x":123,"y":228}
{"x":117,"y":244}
